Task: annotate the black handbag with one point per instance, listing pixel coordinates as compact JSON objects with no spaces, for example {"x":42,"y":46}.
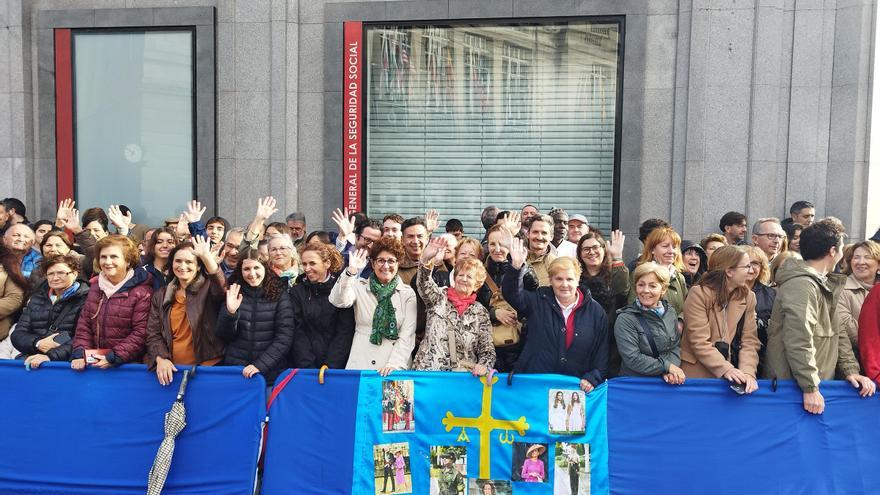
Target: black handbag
{"x":735,"y":345}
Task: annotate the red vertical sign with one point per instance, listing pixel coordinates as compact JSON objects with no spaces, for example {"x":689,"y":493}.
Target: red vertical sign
{"x":352,"y":127}
{"x":63,"y":115}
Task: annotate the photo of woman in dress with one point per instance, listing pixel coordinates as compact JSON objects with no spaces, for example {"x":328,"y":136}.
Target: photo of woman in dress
{"x":529,"y":462}
{"x":558,"y":412}
{"x":575,"y":421}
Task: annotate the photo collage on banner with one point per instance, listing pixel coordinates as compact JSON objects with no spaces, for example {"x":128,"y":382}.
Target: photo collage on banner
{"x":556,"y":462}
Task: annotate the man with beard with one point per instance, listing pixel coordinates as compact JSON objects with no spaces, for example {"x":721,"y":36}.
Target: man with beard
{"x":540,"y":252}
{"x":231,"y":253}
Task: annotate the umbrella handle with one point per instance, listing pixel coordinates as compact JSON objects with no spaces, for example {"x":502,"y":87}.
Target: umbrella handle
{"x":186,"y":376}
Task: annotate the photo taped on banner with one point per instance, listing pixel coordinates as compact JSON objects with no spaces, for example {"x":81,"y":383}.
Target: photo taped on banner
{"x":489,"y":487}
{"x":529,"y":463}
{"x":448,"y":470}
{"x":398,"y":405}
{"x":566,"y":412}
{"x":391,"y":463}
{"x":571,"y":473}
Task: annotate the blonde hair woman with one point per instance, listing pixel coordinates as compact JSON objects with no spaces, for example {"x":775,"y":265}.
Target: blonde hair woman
{"x":582,"y":350}
{"x":720,"y":338}
{"x":663,"y":246}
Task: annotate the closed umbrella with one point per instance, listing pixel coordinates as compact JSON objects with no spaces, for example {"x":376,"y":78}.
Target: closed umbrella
{"x":175,"y":421}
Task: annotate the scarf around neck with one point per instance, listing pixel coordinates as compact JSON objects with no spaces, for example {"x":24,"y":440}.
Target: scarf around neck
{"x":461,"y":303}
{"x":385,"y":317}
{"x":108,"y":288}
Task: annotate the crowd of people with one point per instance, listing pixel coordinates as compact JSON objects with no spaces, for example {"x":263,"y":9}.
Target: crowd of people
{"x":535,"y":293}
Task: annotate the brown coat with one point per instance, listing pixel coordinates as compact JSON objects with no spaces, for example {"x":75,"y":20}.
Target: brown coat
{"x":849,"y":305}
{"x":704,"y":325}
{"x":204,"y":297}
{"x":11,"y":302}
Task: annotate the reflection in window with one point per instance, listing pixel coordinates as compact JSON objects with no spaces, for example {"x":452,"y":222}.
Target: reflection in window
{"x":492,"y":114}
{"x":133,"y":105}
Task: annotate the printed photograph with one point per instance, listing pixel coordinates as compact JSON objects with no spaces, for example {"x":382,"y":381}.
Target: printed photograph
{"x":397,"y":406}
{"x":572,"y":469}
{"x":529,"y":462}
{"x":567,"y":412}
{"x":391,"y":466}
{"x":448,"y":470}
{"x":489,"y":487}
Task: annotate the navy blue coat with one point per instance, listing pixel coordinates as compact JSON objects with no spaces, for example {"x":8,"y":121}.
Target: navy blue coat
{"x":545,"y":351}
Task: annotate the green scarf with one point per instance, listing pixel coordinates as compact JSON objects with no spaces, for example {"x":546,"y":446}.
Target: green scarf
{"x":384,"y":319}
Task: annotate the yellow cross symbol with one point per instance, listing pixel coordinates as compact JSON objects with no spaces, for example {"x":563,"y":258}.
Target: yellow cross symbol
{"x":485,"y":424}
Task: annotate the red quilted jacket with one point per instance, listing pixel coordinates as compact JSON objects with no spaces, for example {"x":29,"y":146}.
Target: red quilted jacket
{"x":118,"y":323}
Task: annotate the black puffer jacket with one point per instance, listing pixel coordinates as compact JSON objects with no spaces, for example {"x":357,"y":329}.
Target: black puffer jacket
{"x":322,"y":333}
{"x":259,"y":333}
{"x":40,"y":313}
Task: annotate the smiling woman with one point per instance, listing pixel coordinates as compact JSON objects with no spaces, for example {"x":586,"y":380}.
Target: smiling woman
{"x":112,"y":326}
{"x":184,"y":312}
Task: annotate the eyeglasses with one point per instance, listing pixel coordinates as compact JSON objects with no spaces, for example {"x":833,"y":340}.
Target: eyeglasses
{"x":748,"y":267}
{"x":57,"y":274}
{"x":383,"y":261}
{"x":773,"y":237}
{"x":591,"y":249}
{"x":279,"y":249}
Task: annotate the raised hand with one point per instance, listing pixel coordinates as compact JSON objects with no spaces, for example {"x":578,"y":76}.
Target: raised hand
{"x":182,"y":228}
{"x":615,"y":245}
{"x":344,"y":222}
{"x":357,"y":261}
{"x":518,"y":252}
{"x":65,"y":209}
{"x":512,"y":223}
{"x":266,"y":208}
{"x":202,"y":247}
{"x":194,"y":211}
{"x":233,"y":298}
{"x":72,"y":222}
{"x":122,"y":222}
{"x":432,"y":220}
{"x":433,"y":248}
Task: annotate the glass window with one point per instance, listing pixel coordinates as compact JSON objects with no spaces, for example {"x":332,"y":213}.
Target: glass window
{"x":133,"y":104}
{"x":464,"y":116}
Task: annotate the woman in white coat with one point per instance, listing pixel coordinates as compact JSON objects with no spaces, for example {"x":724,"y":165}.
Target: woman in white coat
{"x":384,"y":309}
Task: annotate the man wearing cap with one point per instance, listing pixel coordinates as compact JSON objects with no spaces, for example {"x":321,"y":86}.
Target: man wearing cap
{"x":577,"y":227}
{"x":449,"y":481}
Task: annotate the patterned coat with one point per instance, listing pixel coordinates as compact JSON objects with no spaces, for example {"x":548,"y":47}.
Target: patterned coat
{"x":473,"y":331}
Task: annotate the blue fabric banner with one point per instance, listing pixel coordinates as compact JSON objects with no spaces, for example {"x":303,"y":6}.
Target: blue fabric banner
{"x":361,"y":433}
{"x":701,"y":438}
{"x":97,"y":432}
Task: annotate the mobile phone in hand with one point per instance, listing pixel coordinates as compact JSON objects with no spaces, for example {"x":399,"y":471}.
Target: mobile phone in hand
{"x":739,"y":388}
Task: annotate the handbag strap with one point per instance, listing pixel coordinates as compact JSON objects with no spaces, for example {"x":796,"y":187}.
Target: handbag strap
{"x":649,"y":335}
{"x":453,"y":355}
{"x":64,"y":311}
{"x":739,"y":330}
{"x":492,"y":285}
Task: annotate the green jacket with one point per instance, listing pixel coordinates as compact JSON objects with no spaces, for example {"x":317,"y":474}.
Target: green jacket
{"x":635,"y":351}
{"x":802,"y":342}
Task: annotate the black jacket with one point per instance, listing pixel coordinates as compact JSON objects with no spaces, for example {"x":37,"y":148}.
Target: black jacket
{"x":40,"y":313}
{"x":322,"y":333}
{"x":545,"y":350}
{"x":259,"y":333}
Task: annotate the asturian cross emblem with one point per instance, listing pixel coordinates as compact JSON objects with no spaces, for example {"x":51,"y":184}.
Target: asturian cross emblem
{"x":485,"y":424}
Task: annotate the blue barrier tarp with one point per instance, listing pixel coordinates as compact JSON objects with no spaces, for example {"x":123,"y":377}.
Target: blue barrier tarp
{"x":98,"y":431}
{"x":322,"y":437}
{"x":703,"y":438}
